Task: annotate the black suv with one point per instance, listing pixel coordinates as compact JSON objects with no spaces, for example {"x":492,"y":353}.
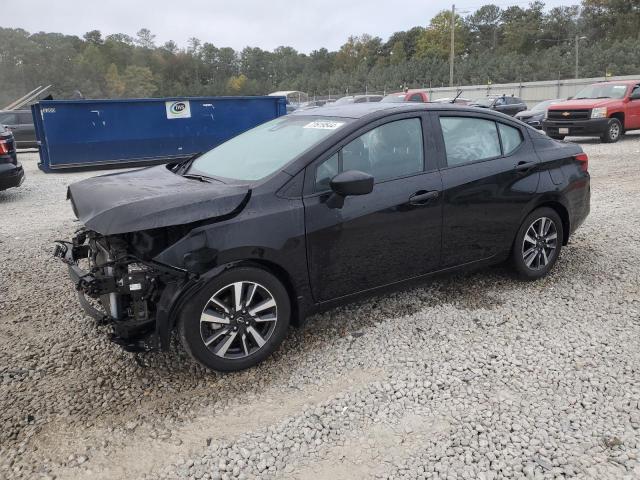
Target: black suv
{"x":11,"y":172}
{"x":21,"y":124}
{"x":507,"y":105}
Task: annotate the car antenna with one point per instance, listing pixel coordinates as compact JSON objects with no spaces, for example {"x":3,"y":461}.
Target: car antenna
{"x":457,"y":95}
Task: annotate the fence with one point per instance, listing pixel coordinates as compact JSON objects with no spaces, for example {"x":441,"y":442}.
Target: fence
{"x":530,"y":92}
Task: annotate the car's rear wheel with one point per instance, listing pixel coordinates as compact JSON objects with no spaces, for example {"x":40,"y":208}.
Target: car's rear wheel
{"x":237,"y":320}
{"x":614,"y":131}
{"x":538,"y":243}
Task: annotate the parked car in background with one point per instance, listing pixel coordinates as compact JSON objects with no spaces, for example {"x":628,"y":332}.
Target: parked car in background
{"x":11,"y":172}
{"x":607,"y":110}
{"x":503,"y":104}
{"x":312,"y":210}
{"x":535,"y":116}
{"x":357,"y":99}
{"x":458,"y":100}
{"x":20,"y":122}
{"x":412,"y":95}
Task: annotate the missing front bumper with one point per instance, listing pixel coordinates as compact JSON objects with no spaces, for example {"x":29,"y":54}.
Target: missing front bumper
{"x":133,"y":326}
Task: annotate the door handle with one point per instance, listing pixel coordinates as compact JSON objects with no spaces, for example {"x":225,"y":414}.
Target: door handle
{"x":422,"y":198}
{"x":525,"y":166}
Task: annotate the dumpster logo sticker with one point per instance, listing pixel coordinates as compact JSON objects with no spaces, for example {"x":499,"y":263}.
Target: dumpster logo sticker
{"x":178,"y":109}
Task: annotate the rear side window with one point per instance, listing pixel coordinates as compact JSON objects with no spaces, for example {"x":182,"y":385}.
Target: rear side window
{"x":416,"y":97}
{"x":8,"y":118}
{"x":468,"y":139}
{"x":24,"y":118}
{"x":511,"y":138}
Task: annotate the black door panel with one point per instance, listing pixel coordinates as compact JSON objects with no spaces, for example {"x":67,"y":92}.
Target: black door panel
{"x":375,"y":239}
{"x":483,"y":199}
{"x":482,"y":208}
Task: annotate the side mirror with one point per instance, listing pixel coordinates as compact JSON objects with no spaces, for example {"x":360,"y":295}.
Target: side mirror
{"x":351,"y":182}
{"x":635,"y":95}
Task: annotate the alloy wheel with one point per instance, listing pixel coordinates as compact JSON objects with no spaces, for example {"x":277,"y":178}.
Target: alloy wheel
{"x":238,"y":320}
{"x":614,"y":131}
{"x":540,"y":243}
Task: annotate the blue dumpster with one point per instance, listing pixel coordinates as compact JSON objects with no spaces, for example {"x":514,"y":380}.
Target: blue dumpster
{"x":113,"y":133}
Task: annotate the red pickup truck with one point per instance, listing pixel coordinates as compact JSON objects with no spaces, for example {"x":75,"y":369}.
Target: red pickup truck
{"x":607,"y":110}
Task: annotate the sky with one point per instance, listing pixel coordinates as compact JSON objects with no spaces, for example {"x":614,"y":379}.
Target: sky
{"x":301,"y":24}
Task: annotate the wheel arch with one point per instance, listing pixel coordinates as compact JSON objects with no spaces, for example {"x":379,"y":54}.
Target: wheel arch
{"x":619,"y":116}
{"x":562,"y":211}
{"x":297,"y":309}
{"x":281,"y":274}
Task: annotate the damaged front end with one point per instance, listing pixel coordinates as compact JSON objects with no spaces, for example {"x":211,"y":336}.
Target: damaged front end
{"x":117,"y":287}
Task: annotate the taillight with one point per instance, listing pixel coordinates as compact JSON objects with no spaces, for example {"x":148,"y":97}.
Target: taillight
{"x":4,"y":147}
{"x":583,"y":160}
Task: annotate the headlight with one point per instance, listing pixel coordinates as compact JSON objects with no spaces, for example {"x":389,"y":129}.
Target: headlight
{"x":600,"y":112}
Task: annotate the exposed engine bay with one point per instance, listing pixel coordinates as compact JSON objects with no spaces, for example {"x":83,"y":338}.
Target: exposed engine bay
{"x":118,"y":285}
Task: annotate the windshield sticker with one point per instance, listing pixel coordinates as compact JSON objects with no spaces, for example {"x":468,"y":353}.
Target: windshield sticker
{"x":324,"y":125}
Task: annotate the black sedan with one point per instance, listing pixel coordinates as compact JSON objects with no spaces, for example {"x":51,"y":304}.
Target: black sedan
{"x":11,"y":172}
{"x":312,"y":210}
{"x":504,"y":104}
{"x":535,"y":116}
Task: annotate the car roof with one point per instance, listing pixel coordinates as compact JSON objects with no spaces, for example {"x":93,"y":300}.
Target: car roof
{"x":360,"y":110}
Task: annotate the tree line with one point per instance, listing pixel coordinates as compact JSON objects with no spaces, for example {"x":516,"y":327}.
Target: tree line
{"x":493,"y":44}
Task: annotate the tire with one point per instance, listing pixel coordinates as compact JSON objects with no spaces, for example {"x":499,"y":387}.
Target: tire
{"x":557,"y":137}
{"x":244,"y":337}
{"x":530,"y":250}
{"x":614,"y":131}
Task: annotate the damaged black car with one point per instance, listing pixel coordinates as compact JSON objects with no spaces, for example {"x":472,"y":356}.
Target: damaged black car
{"x":309,"y":211}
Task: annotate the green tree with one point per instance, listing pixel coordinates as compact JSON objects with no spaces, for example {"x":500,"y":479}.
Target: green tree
{"x":436,"y":39}
{"x":145,"y":38}
{"x":138,"y":82}
{"x":115,"y":86}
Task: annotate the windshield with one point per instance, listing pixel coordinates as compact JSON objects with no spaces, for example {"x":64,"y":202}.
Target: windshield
{"x":343,"y":101}
{"x":393,"y":98}
{"x":266,"y":148}
{"x":542,"y":106}
{"x":602,"y":91}
{"x":485,"y":102}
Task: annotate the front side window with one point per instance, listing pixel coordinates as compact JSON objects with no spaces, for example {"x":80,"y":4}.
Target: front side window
{"x":266,"y":148}
{"x":389,"y":151}
{"x":469,"y":139}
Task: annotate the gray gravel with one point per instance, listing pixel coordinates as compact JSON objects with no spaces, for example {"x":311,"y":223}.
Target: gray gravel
{"x":474,"y":376}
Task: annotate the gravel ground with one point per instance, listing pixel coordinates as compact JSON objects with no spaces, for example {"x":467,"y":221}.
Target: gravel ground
{"x":473,"y":376}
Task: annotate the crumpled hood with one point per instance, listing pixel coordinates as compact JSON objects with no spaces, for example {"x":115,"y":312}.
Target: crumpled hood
{"x":150,"y":198}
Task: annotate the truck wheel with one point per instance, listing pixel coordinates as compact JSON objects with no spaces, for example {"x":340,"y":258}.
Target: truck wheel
{"x":237,"y":320}
{"x":614,"y":131}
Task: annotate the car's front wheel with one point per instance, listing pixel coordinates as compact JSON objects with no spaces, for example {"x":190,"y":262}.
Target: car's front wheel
{"x":614,"y":131}
{"x":538,"y":243}
{"x":237,"y":320}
